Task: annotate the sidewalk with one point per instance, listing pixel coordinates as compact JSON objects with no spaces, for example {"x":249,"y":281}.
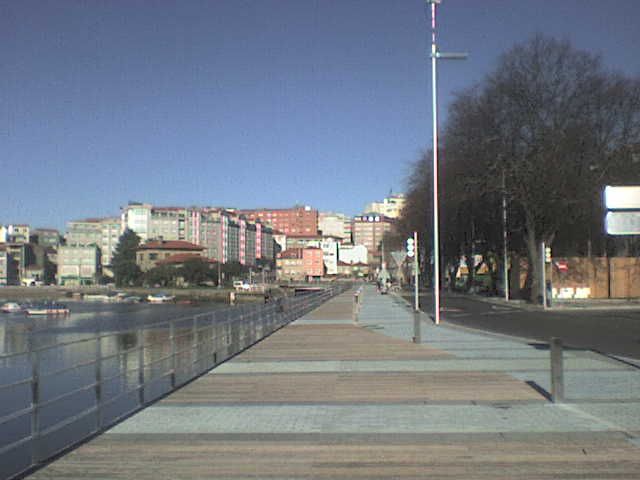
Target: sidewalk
{"x":560,"y":304}
{"x":324,"y":398}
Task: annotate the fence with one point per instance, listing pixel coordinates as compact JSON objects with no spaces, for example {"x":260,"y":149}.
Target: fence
{"x":148,"y":362}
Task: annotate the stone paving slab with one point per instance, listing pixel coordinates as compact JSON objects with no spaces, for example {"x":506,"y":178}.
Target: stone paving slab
{"x":350,"y":387}
{"x":590,"y":384}
{"x":518,"y":367}
{"x":398,"y":419}
{"x":469,"y":457}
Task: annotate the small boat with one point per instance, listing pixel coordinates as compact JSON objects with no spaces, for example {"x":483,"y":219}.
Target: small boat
{"x":96,"y":298}
{"x":160,"y":298}
{"x":48,"y":309}
{"x":130,"y":299}
{"x":11,"y":307}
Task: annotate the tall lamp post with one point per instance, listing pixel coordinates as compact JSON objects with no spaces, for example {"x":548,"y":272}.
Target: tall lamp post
{"x":435,"y":55}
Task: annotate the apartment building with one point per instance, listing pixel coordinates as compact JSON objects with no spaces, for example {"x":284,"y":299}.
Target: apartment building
{"x":217,"y":231}
{"x":390,"y":207}
{"x":300,"y":264}
{"x":23,"y":255}
{"x":102,"y":232}
{"x":150,"y":222}
{"x":225,"y":235}
{"x":46,"y":237}
{"x":335,"y":224}
{"x":330,"y":250}
{"x":247,"y":239}
{"x":264,"y":242}
{"x":78,"y":265}
{"x":369,"y":230}
{"x":290,"y":221}
{"x":16,"y":233}
{"x":8,"y":268}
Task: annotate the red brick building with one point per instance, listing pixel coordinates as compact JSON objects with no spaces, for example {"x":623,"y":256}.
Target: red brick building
{"x":369,"y":230}
{"x":290,"y":221}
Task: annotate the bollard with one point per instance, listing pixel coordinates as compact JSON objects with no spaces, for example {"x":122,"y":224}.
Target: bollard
{"x":417,"y":334}
{"x":557,"y":370}
{"x":355,"y":307}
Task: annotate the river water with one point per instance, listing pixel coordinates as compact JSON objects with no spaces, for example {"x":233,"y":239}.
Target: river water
{"x":118,"y":326}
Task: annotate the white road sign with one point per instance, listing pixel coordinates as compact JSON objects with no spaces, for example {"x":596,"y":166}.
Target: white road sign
{"x":622,"y":198}
{"x":622,"y":223}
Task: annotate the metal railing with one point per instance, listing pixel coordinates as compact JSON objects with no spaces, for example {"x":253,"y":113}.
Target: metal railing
{"x":185,"y":348}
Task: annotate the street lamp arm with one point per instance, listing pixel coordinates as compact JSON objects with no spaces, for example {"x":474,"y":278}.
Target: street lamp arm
{"x":451,"y":55}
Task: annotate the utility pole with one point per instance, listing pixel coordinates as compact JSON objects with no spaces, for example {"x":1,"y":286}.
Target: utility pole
{"x":435,"y":54}
{"x":505,"y":252}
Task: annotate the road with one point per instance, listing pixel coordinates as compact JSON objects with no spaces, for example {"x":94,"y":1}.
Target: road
{"x":613,"y":331}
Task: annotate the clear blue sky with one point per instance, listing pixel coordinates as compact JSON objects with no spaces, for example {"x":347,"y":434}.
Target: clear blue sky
{"x":246,"y":103}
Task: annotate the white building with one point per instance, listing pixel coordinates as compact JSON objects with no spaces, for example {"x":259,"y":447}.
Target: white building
{"x":335,"y":224}
{"x":390,"y":207}
{"x":353,"y":254}
{"x":330,"y":250}
{"x":149,"y":222}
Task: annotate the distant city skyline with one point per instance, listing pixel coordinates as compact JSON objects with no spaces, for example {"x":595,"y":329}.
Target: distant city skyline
{"x":247,"y":104}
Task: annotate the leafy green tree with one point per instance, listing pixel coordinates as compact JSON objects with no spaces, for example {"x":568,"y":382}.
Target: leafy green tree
{"x":197,"y":270}
{"x":125,"y":269}
{"x":162,"y":275}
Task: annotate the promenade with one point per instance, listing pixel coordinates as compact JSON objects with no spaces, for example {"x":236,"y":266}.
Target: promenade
{"x":326,"y":398}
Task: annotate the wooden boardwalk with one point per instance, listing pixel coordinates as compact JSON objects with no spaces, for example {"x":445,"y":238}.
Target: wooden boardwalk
{"x":185,"y":445}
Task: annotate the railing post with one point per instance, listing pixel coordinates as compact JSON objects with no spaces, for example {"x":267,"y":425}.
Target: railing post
{"x":172,"y":340}
{"x":98,"y":380}
{"x":214,"y":340}
{"x":194,"y":345}
{"x":417,"y":333}
{"x":34,"y":356}
{"x":140,"y":366}
{"x":557,"y":371}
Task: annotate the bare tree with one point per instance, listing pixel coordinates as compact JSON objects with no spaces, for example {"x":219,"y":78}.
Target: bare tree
{"x":557,"y":127}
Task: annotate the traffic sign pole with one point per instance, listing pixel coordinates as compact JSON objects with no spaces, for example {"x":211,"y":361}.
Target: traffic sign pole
{"x":416,"y":270}
{"x":543,"y":257}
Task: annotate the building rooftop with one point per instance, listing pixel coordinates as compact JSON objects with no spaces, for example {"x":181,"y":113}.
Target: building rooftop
{"x":170,"y":245}
{"x":295,"y":253}
{"x":183,"y":257}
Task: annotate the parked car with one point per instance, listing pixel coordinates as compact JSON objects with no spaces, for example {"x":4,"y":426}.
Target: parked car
{"x":240,"y":285}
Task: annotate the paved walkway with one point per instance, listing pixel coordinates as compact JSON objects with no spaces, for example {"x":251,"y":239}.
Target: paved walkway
{"x":324,"y":398}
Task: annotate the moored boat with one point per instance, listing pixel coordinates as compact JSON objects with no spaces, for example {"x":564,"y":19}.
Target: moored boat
{"x":11,"y":307}
{"x":160,"y":298}
{"x":48,"y":309}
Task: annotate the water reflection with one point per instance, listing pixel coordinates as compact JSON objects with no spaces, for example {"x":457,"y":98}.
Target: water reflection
{"x":134,"y":344}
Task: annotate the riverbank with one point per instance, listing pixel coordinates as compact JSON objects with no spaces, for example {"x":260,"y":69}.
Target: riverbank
{"x":198,"y":294}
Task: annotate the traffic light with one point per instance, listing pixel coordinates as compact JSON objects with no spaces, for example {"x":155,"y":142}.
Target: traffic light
{"x":410,"y":247}
{"x":547,"y":254}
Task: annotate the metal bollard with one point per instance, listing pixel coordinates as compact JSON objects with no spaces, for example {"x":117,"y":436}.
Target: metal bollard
{"x":417,"y":333}
{"x":356,"y":299}
{"x":557,"y":370}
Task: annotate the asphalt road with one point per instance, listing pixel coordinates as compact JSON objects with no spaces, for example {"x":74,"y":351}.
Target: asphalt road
{"x":615,"y":331}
